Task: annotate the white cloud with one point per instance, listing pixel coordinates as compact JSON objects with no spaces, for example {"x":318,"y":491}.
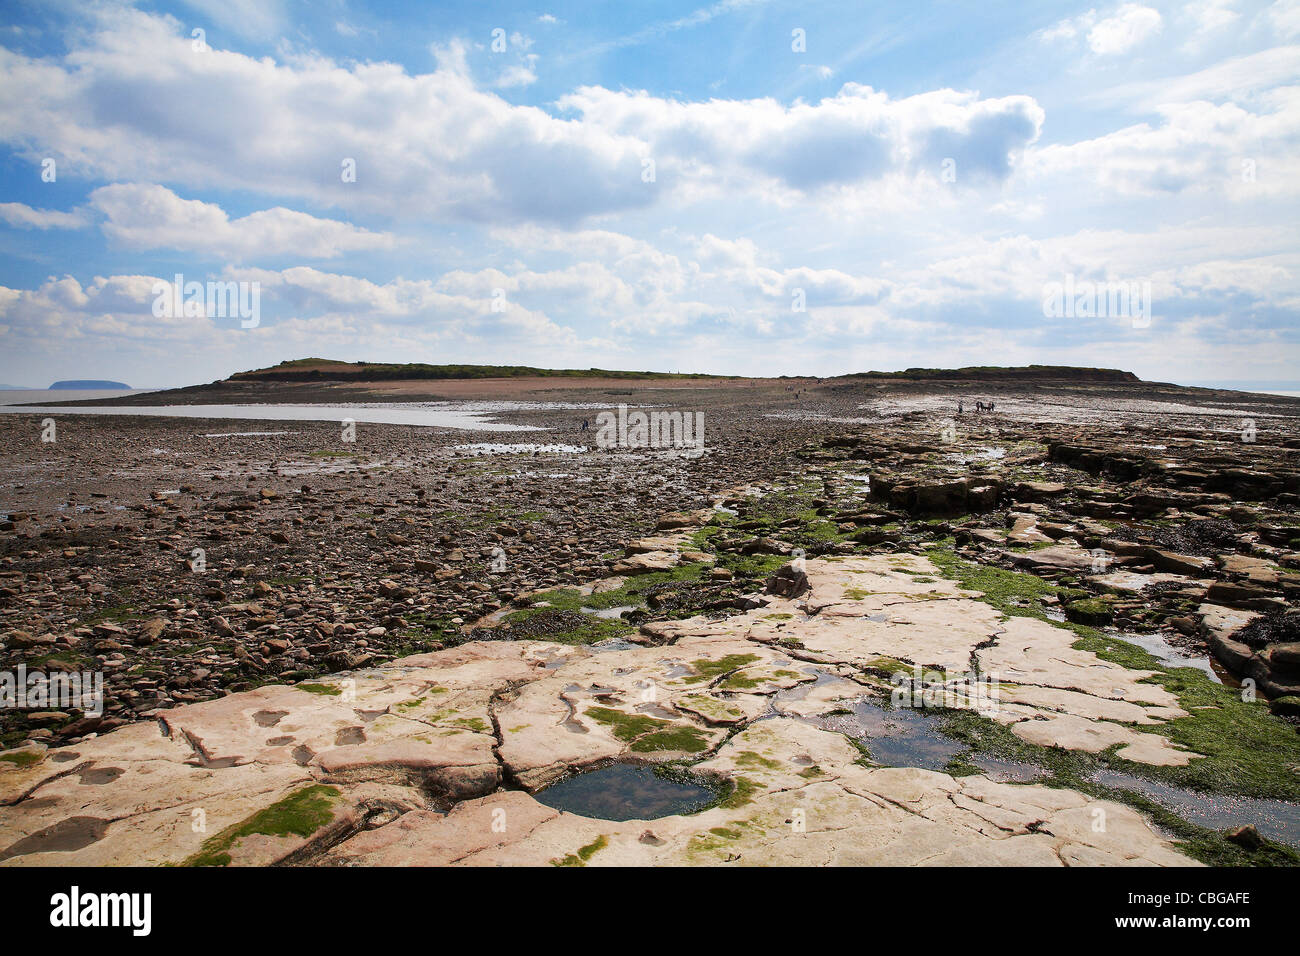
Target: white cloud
{"x":856,"y":137}
{"x":114,"y":314}
{"x":23,"y":216}
{"x":1199,"y":147}
{"x":351,"y":30}
{"x":754,"y":199}
{"x":716,"y":298}
{"x":1131,"y":25}
{"x":437,"y":145}
{"x":1243,"y":79}
{"x":1121,"y":31}
{"x":114,"y":311}
{"x":1187,"y":264}
{"x":1068,"y":28}
{"x":1212,"y":15}
{"x":154,"y":217}
{"x":513,"y":76}
{"x":325,"y":296}
{"x":1284,"y":16}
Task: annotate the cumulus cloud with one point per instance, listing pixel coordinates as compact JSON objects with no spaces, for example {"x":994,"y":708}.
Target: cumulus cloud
{"x":715,"y":297}
{"x":112,"y":310}
{"x":116,"y":313}
{"x":23,"y":216}
{"x":308,"y":293}
{"x":1129,"y":26}
{"x":572,"y":258}
{"x":153,"y":217}
{"x":121,"y":107}
{"x":516,"y":76}
{"x":1197,"y":146}
{"x":1121,"y":31}
{"x":1205,"y":267}
{"x":856,"y":136}
{"x":1194,"y":270}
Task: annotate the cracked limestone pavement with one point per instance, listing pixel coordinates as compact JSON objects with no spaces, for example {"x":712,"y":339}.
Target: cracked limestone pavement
{"x":433,"y":759}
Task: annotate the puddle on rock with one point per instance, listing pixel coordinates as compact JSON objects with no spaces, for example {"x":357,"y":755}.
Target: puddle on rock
{"x":1166,"y":653}
{"x":863,"y":480}
{"x":65,"y":836}
{"x":608,"y":613}
{"x":496,"y":448}
{"x":984,"y":454}
{"x":626,"y":791}
{"x":611,"y":644}
{"x":241,"y":435}
{"x":900,"y":737}
{"x":100,"y":775}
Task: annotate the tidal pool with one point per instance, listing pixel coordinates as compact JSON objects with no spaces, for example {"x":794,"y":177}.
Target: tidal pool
{"x":626,"y":791}
{"x":897,"y":737}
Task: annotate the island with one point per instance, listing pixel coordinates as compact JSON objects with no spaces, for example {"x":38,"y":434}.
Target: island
{"x":85,"y":384}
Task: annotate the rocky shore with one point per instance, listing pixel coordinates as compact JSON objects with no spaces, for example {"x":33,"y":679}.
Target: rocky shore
{"x":380,"y":640}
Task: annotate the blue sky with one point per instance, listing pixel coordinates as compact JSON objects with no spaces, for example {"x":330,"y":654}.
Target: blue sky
{"x":836,"y":186}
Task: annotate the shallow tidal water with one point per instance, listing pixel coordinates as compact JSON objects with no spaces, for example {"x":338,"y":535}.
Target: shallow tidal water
{"x":469,"y":416}
{"x":1276,"y":819}
{"x":906,"y":737}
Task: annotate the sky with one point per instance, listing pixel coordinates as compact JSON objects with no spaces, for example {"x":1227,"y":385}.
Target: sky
{"x":750,"y":187}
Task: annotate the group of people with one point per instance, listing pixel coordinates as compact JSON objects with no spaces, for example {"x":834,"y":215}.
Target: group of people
{"x":980,"y":407}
